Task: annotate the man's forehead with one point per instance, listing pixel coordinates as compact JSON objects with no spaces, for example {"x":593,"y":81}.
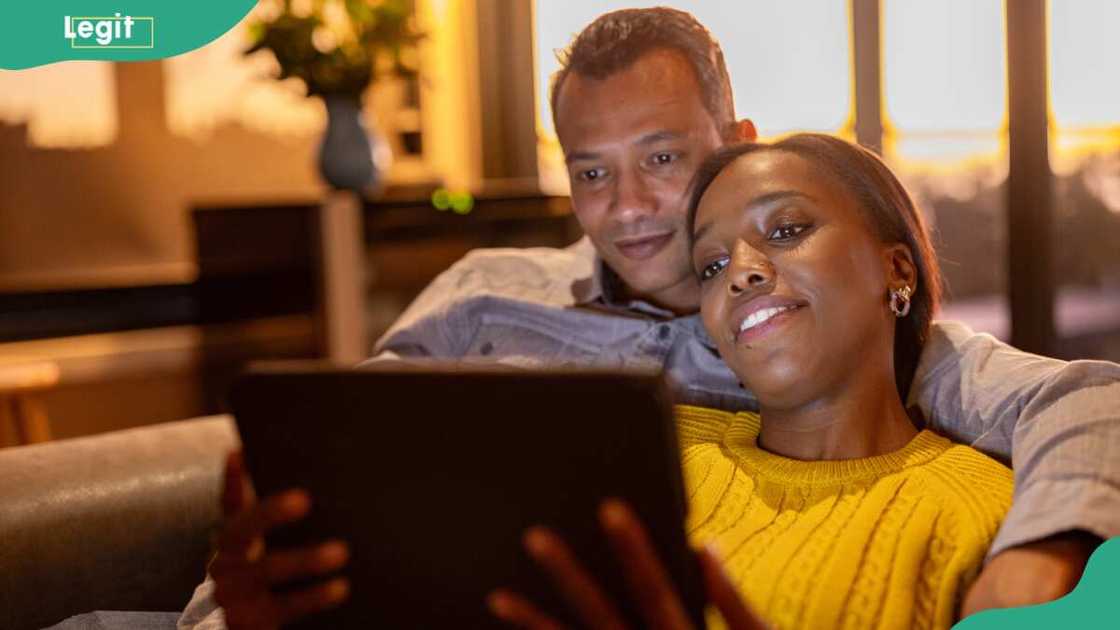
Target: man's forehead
{"x":643,"y":103}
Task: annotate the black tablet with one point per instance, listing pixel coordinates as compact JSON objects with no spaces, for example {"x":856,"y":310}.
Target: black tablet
{"x":432,"y":476}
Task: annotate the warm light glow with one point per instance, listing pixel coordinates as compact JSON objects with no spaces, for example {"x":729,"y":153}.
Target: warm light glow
{"x":1085,"y":86}
{"x":70,"y":104}
{"x":217,"y":85}
{"x":944,"y":83}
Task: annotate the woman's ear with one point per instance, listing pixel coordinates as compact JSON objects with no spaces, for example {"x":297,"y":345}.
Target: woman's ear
{"x":900,"y":268}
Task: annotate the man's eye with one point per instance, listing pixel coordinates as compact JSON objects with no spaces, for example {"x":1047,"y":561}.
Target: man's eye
{"x":712,"y":269}
{"x":661,"y":159}
{"x":591,"y":174}
{"x":786,"y":232}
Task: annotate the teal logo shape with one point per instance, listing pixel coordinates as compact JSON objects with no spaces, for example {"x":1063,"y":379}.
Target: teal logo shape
{"x":1091,"y":605}
{"x":112,"y":30}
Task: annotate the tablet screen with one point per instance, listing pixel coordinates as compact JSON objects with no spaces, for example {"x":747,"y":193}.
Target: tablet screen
{"x":433,"y":476}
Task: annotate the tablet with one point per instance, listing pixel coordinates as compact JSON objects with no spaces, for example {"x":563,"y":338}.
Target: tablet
{"x":432,"y":477}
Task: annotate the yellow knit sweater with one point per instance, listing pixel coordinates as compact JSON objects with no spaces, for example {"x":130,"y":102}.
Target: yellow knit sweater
{"x":890,"y":541}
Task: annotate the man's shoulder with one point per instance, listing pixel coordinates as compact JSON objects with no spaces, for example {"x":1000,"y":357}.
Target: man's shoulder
{"x":536,"y":274}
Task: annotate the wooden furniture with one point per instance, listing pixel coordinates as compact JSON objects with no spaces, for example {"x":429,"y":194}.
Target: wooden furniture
{"x":334,"y":258}
{"x":23,"y":416}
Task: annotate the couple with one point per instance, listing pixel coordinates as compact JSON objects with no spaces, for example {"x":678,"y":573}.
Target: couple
{"x":642,"y":101}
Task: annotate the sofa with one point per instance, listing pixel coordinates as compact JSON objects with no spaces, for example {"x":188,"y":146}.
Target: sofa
{"x":118,"y":521}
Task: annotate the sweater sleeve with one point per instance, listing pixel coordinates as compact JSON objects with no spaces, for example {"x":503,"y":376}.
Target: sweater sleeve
{"x":978,"y":490}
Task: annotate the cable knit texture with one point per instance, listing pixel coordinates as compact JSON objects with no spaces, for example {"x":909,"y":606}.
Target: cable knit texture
{"x":890,"y":541}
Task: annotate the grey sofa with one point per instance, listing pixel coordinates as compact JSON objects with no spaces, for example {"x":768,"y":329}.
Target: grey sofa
{"x":119,"y":521}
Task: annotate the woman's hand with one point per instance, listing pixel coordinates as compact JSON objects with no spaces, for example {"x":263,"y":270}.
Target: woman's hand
{"x":244,"y":571}
{"x":646,"y":579}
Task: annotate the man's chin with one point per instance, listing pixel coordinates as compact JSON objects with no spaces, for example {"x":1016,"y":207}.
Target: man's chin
{"x":656,"y":287}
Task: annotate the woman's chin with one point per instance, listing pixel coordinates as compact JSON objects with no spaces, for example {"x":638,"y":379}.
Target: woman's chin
{"x":775,"y":380}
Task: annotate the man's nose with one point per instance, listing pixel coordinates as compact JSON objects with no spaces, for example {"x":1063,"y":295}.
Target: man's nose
{"x":632,"y":197}
{"x":750,"y":270}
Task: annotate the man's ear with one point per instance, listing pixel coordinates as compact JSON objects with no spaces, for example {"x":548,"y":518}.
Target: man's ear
{"x":742,"y":131}
{"x":900,"y":267}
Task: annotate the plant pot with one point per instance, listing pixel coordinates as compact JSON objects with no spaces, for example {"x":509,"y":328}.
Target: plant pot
{"x":350,"y":156}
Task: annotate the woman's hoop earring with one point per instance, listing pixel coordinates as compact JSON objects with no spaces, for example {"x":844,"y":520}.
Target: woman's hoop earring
{"x":900,"y":301}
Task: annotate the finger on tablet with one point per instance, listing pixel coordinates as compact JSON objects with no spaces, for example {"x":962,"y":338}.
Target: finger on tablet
{"x":646,"y":577}
{"x":290,"y":564}
{"x":581,"y":592}
{"x":518,"y":611}
{"x":240,"y":532}
{"x":298,"y":604}
{"x":237,"y":493}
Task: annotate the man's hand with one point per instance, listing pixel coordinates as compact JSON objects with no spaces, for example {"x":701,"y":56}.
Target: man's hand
{"x":646,"y":577}
{"x":244,"y":571}
{"x":1033,"y":573}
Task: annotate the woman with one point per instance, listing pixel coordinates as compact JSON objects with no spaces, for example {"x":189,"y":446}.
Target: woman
{"x":818,"y":284}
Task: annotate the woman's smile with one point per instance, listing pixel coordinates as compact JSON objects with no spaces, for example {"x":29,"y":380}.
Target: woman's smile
{"x":761,"y":316}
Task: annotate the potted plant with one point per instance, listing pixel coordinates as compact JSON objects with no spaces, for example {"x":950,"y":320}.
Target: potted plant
{"x":337,"y":48}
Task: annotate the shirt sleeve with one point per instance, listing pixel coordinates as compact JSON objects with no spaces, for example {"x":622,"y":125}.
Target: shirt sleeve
{"x":432,"y":326}
{"x":1056,"y":422}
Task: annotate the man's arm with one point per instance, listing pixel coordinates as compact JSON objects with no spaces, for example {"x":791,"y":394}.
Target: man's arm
{"x":430,"y":326}
{"x":1031,"y":573}
{"x":1057,"y":422}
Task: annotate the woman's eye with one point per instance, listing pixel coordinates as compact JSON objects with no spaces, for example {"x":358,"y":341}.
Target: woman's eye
{"x":786,"y":232}
{"x":712,"y":269}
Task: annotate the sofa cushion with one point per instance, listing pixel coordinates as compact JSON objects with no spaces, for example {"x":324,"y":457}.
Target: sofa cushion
{"x":118,"y":521}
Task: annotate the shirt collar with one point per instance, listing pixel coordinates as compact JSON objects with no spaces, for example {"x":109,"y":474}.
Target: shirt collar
{"x":604,"y":287}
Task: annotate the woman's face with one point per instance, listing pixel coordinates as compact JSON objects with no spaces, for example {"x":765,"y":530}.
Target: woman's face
{"x":793,"y":279}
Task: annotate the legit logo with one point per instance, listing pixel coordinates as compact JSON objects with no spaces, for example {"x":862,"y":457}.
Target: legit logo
{"x":111,"y":32}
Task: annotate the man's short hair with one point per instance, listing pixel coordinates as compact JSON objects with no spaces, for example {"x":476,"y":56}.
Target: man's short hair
{"x":616,"y":40}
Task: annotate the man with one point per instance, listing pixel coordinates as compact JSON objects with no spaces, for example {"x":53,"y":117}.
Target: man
{"x":642,"y":98}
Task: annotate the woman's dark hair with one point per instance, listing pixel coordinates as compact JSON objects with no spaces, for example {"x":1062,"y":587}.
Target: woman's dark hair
{"x":889,"y":210}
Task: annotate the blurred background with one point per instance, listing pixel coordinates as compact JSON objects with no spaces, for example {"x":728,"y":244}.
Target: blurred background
{"x":163,"y":223}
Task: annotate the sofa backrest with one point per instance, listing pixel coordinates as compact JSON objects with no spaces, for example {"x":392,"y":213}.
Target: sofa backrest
{"x":119,"y":521}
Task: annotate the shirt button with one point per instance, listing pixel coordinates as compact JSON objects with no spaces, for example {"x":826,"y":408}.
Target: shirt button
{"x":663,"y":332}
{"x":486,"y":348}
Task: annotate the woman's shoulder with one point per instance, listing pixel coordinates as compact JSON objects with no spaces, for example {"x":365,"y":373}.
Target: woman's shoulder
{"x":696,"y":425}
{"x":974,"y":488}
{"x":980,"y":473}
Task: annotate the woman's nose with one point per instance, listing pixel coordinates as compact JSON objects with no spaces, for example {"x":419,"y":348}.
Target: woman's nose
{"x":750,"y":271}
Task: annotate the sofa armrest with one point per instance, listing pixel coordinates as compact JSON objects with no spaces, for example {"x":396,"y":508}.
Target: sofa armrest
{"x":119,"y":521}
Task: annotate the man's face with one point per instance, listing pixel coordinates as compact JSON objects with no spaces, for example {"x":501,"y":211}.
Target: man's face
{"x":632,"y":142}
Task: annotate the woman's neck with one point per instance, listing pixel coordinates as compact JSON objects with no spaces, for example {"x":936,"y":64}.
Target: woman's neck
{"x":861,"y":418}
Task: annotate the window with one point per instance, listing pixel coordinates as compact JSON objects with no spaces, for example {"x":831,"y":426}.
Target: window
{"x":789,"y":62}
{"x":1085,"y":156}
{"x":945,"y":95}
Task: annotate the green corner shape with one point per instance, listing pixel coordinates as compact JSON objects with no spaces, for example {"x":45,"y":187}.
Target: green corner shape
{"x":38,"y":29}
{"x":1093,"y":604}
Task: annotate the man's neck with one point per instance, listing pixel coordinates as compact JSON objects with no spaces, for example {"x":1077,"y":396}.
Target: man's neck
{"x":863,"y":418}
{"x":680,"y":299}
